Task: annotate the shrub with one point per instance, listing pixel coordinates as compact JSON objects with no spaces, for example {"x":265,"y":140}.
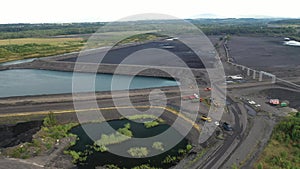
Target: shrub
{"x":121,"y":135}
{"x":158,"y":146}
{"x":150,"y":124}
{"x":138,"y":151}
{"x":169,"y":159}
{"x":50,"y":120}
{"x":189,"y":147}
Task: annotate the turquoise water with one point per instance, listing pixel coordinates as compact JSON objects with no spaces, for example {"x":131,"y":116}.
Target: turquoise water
{"x":17,"y":62}
{"x":23,"y":82}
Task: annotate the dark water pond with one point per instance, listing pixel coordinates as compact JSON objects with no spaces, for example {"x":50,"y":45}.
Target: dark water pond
{"x":139,"y":131}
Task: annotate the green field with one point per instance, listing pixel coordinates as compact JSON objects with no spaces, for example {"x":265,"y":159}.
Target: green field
{"x":24,"y":48}
{"x":283,"y":150}
{"x":16,"y":49}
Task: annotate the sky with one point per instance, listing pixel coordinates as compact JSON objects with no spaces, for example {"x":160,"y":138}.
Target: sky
{"x":63,"y":11}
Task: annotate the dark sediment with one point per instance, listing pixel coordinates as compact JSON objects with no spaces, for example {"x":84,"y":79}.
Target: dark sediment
{"x":12,"y":135}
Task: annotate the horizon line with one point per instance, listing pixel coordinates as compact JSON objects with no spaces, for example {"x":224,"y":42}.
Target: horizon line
{"x":199,"y":18}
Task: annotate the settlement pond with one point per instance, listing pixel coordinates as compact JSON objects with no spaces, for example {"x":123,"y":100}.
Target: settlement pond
{"x":95,"y":158}
{"x":24,"y":82}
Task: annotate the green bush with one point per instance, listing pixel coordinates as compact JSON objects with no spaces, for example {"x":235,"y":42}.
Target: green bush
{"x":110,"y":166}
{"x":126,"y":130}
{"x":101,"y":148}
{"x":121,"y":135}
{"x":189,"y":147}
{"x":151,"y":124}
{"x":50,"y":120}
{"x":144,"y":166}
{"x":260,"y":166}
{"x":138,"y":151}
{"x":170,"y":160}
{"x":283,"y":151}
{"x":288,"y":130}
{"x":158,"y":146}
{"x":182,"y":151}
{"x":76,"y":156}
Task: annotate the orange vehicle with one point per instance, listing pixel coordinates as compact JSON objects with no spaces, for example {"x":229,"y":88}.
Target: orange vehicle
{"x":201,"y":99}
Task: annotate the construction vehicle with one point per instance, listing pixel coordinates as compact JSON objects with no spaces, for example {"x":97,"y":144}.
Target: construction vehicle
{"x":274,"y":101}
{"x":205,"y":118}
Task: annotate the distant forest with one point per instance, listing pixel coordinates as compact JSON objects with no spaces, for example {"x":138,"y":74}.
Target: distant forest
{"x":287,"y":22}
{"x":12,"y":31}
{"x":264,"y":27}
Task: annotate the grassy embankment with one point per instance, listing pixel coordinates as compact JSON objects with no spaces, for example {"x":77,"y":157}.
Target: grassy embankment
{"x":283,"y":150}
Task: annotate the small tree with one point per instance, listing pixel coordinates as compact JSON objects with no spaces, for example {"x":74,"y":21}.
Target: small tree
{"x":50,"y":120}
{"x":189,"y":147}
{"x":260,"y":166}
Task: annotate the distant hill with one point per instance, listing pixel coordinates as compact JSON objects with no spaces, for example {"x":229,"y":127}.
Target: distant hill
{"x":286,"y":22}
{"x":233,"y":21}
{"x":206,"y":16}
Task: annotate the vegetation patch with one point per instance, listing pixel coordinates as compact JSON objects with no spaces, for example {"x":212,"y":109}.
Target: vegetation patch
{"x":283,"y":150}
{"x":150,"y":124}
{"x":101,"y":148}
{"x":170,"y":160}
{"x":147,"y":124}
{"x":43,"y":141}
{"x":196,"y":158}
{"x":174,"y":159}
{"x":143,"y":116}
{"x":145,"y":166}
{"x":100,"y":145}
{"x":121,"y":135}
{"x":138,"y":152}
{"x":76,"y":156}
{"x":158,"y":146}
{"x":17,"y":49}
{"x":141,"y":38}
